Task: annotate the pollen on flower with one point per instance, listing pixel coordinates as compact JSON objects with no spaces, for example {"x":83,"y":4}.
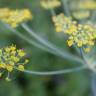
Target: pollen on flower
{"x":15,"y":17}
{"x":49,"y":4}
{"x":11,"y":59}
{"x":78,"y":34}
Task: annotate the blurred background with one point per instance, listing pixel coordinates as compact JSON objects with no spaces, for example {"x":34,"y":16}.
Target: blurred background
{"x":23,"y":84}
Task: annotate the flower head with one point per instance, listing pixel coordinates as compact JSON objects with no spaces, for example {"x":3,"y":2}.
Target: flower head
{"x":64,"y":24}
{"x":14,"y":17}
{"x":83,"y":5}
{"x":11,"y":59}
{"x":84,"y":37}
{"x":49,"y":4}
{"x":81,"y":14}
{"x":4,"y":12}
{"x":80,"y":35}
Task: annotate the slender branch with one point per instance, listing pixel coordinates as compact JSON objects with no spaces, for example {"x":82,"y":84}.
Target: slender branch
{"x":66,"y":8}
{"x":39,"y":46}
{"x":52,"y":11}
{"x":53,"y":47}
{"x":54,"y":14}
{"x":87,"y":61}
{"x":29,"y":40}
{"x":56,"y":72}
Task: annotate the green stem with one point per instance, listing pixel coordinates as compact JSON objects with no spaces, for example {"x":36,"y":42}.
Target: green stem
{"x":56,"y":72}
{"x":28,"y":40}
{"x":53,"y":47}
{"x":66,"y":8}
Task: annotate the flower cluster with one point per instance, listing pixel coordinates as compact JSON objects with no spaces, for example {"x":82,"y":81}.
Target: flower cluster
{"x":14,"y":17}
{"x":81,"y":14}
{"x":49,"y":4}
{"x":64,"y":24}
{"x":84,"y":4}
{"x":11,"y":59}
{"x":81,"y":35}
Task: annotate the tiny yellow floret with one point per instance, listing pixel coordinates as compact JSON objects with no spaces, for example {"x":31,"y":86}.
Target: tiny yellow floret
{"x":21,"y":67}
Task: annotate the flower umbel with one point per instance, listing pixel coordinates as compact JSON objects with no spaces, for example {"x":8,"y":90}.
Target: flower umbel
{"x":11,"y":59}
{"x":81,"y":14}
{"x":84,"y":37}
{"x":49,"y":4}
{"x":14,"y":17}
{"x":84,"y":5}
{"x":64,"y":24}
{"x":4,"y":12}
{"x":80,"y":35}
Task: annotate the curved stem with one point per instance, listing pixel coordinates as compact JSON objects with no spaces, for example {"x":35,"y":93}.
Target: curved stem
{"x":53,"y":47}
{"x":28,"y":40}
{"x":56,"y":72}
{"x":54,"y":14}
{"x":41,"y":47}
{"x":66,"y":8}
{"x":52,"y":11}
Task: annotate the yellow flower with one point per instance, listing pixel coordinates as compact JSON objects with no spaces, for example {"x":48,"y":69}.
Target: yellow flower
{"x":4,"y":13}
{"x":58,"y":29}
{"x":81,"y":14}
{"x":26,"y":61}
{"x":70,"y":43}
{"x":2,"y":65}
{"x":49,"y":4}
{"x":15,"y":17}
{"x":64,"y":24}
{"x":9,"y":68}
{"x":90,"y":4}
{"x":78,"y":34}
{"x":83,"y":5}
{"x":21,"y":53}
{"x":10,"y":61}
{"x":21,"y":67}
{"x":79,"y":43}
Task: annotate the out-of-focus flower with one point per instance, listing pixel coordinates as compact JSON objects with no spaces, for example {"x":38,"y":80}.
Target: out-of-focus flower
{"x":49,"y":4}
{"x":14,"y":17}
{"x":81,"y":14}
{"x":79,"y":35}
{"x":4,"y":12}
{"x":84,"y":4}
{"x":11,"y":59}
{"x":64,"y":24}
{"x":83,"y":37}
